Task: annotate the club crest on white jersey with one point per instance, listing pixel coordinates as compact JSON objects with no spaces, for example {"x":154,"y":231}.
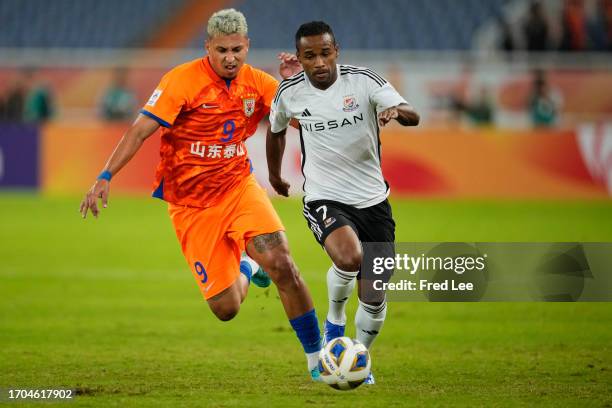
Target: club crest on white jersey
{"x":350,"y":103}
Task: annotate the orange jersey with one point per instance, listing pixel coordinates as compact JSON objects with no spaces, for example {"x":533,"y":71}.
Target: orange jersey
{"x":205,"y":125}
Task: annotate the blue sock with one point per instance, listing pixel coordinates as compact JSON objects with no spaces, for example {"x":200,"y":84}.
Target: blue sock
{"x":246,"y":270}
{"x":306,"y":327}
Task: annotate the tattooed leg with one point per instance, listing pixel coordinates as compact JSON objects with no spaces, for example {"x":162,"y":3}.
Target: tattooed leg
{"x":266,"y":242}
{"x":271,"y":252}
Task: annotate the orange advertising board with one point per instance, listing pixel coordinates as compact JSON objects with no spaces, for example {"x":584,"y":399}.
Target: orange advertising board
{"x":445,"y":163}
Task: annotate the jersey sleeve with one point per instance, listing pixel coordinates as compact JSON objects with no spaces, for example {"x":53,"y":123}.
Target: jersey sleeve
{"x":167,"y":100}
{"x":382,"y":94}
{"x":279,"y":117}
{"x":268,"y":86}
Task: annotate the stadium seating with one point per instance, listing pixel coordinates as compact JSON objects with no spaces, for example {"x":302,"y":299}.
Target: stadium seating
{"x":359,"y":24}
{"x":82,"y":23}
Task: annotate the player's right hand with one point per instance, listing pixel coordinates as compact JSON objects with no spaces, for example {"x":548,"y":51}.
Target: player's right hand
{"x":280,"y":186}
{"x":99,"y":190}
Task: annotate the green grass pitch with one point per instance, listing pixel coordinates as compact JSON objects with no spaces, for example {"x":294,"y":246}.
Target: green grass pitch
{"x":109,"y":307}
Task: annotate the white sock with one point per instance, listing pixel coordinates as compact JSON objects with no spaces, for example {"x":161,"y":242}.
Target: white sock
{"x":368,"y":321}
{"x":313,"y":360}
{"x":340,"y":285}
{"x":254,"y":265}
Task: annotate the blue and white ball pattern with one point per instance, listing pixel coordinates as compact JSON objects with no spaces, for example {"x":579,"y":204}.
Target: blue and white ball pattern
{"x":344,"y":363}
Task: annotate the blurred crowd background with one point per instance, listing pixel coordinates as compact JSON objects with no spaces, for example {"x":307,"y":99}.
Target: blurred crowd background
{"x":77,"y":71}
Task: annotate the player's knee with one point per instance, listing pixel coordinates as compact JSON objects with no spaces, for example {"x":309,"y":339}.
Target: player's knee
{"x":283,"y":272}
{"x":349,"y":261}
{"x":225,"y":312}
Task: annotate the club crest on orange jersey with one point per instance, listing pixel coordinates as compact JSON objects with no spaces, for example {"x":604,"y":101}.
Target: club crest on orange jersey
{"x":248,"y":104}
{"x":350,"y":103}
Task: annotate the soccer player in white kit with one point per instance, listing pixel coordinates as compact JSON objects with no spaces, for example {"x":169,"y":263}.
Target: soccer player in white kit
{"x":340,"y":109}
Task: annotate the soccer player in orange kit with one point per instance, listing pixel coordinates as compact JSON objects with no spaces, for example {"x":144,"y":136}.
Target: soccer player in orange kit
{"x":207,"y":108}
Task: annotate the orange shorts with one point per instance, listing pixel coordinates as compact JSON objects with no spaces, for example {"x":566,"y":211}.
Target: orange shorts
{"x":213,"y":238}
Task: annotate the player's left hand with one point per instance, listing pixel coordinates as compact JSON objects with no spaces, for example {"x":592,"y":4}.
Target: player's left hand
{"x":289,"y":65}
{"x":385,"y":116}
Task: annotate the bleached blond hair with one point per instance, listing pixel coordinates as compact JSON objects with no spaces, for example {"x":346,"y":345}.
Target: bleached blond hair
{"x":227,"y":22}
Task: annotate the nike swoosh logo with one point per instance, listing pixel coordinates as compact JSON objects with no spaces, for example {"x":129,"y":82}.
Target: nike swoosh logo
{"x":205,"y":106}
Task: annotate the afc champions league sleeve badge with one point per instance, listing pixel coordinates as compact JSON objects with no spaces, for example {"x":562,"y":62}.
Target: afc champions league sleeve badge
{"x":248,"y":104}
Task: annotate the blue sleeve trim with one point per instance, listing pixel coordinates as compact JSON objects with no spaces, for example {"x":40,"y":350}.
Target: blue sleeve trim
{"x":159,"y":191}
{"x":155,"y":118}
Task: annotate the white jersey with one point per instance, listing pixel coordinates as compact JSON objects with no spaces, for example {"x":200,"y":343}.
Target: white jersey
{"x":339,"y":133}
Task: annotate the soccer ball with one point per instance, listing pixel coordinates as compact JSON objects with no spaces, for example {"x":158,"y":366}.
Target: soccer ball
{"x":344,"y":363}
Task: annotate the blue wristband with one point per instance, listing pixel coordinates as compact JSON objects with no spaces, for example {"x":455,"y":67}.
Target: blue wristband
{"x":105,"y":175}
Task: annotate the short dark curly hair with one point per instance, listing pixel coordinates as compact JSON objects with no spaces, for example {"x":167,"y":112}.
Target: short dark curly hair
{"x":313,"y":28}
